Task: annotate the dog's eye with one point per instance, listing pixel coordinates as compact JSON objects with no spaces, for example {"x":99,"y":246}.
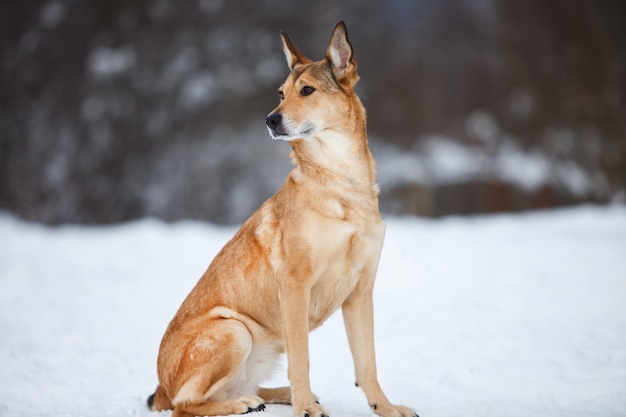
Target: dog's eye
{"x":307,"y":91}
{"x":281,"y":95}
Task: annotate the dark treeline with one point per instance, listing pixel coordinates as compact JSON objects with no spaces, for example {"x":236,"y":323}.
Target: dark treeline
{"x":114,"y":110}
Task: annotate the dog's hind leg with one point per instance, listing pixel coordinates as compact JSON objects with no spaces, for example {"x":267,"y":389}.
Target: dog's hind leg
{"x":280,"y":395}
{"x":159,"y":401}
{"x":241,"y":405}
{"x":212,"y":373}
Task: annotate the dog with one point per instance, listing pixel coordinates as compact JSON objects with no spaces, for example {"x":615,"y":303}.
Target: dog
{"x":311,"y":248}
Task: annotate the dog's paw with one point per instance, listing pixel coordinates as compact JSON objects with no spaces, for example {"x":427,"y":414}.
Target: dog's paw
{"x":250,"y":403}
{"x":309,"y":410}
{"x":393,"y":410}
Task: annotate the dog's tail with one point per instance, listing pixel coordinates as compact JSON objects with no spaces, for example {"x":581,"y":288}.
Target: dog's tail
{"x":159,"y":401}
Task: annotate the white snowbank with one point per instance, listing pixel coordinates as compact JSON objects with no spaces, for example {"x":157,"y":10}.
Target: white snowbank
{"x":510,"y":315}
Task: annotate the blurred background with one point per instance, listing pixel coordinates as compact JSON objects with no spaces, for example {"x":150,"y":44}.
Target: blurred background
{"x":114,"y":110}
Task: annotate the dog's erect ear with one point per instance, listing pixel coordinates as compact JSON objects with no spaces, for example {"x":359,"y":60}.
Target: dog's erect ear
{"x":340,"y":54}
{"x":293,"y":55}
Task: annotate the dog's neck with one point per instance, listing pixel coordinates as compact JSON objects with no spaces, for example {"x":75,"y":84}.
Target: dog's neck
{"x":339,"y":156}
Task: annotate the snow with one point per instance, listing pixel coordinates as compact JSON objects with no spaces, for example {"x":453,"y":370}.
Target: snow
{"x":507,"y":315}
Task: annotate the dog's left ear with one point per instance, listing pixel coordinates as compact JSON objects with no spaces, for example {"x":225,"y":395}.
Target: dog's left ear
{"x":340,"y":55}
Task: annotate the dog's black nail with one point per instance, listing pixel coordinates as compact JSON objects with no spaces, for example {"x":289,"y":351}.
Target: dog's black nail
{"x":356,"y":384}
{"x":306,"y":414}
{"x":317,"y":402}
{"x":253,"y":410}
{"x":374,"y":406}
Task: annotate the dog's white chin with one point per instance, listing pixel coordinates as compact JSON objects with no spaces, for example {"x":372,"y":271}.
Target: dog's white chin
{"x":302,"y":135}
{"x":283,"y":137}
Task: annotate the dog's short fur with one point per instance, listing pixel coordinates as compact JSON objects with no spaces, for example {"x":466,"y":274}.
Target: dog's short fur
{"x":311,"y":248}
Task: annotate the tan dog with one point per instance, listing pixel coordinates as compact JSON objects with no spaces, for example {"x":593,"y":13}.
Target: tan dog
{"x":310,"y":249}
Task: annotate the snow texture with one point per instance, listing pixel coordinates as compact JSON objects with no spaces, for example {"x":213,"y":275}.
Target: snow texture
{"x":508,"y":315}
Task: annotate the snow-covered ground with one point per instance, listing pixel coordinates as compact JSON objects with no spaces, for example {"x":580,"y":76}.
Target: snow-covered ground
{"x":508,"y":315}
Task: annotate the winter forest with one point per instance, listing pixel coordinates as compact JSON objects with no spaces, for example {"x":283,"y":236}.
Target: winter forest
{"x":117,"y":110}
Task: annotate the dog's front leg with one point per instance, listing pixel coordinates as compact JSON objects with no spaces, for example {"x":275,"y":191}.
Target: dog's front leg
{"x":358,"y":318}
{"x":294,"y":305}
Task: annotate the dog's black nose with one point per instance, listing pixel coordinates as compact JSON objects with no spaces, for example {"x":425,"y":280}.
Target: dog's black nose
{"x":273,"y":120}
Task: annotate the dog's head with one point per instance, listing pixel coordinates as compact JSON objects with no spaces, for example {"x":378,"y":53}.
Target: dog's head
{"x":316,"y":96}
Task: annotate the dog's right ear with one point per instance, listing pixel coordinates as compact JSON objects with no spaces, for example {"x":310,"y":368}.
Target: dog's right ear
{"x":293,"y":55}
